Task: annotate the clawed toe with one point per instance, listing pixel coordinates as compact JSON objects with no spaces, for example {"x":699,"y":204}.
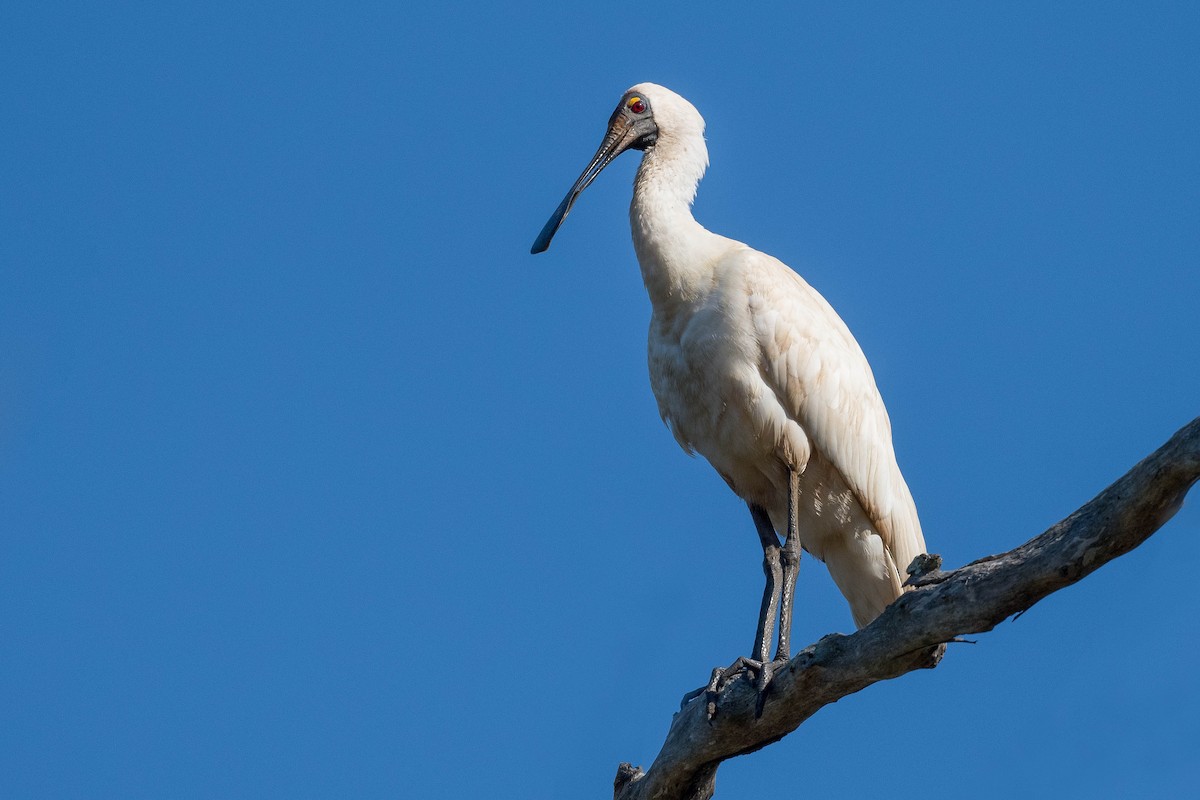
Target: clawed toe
{"x":720,"y":677}
{"x":766,"y":673}
{"x":762,"y":672}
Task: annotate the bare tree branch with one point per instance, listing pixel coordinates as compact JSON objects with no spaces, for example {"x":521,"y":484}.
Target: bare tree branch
{"x":912,"y":632}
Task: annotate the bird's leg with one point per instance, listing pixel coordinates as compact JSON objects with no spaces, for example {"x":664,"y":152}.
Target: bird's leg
{"x":773,"y":571}
{"x":782,"y":567}
{"x":790,"y":557}
{"x":777,"y":589}
{"x":772,"y":593}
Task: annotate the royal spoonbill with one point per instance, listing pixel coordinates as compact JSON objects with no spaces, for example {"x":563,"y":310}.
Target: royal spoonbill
{"x":755,"y":371}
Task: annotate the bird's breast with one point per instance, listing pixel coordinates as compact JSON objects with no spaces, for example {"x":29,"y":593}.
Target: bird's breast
{"x":704,"y":371}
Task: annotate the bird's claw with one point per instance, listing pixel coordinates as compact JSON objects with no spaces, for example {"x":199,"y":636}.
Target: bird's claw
{"x":710,"y":690}
{"x":763,"y":673}
{"x":766,"y":672}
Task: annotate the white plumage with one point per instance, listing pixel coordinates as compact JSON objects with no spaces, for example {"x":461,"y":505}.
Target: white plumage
{"x":754,"y":370}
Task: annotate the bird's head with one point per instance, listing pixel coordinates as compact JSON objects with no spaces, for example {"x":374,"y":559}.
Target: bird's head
{"x":646,"y":114}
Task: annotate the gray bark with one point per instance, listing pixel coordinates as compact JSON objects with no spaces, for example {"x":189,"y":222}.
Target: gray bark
{"x":912,"y":632}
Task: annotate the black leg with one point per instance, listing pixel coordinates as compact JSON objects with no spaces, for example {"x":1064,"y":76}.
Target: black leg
{"x":790,"y":556}
{"x":773,"y":570}
{"x":781,"y":565}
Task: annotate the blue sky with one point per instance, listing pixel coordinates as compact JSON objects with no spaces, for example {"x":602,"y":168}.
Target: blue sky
{"x":313,"y":483}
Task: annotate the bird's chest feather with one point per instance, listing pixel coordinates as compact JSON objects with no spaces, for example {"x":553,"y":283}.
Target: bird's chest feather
{"x":705,"y":376}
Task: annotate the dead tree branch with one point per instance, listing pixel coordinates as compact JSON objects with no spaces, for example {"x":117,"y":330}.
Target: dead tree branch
{"x":912,"y":632}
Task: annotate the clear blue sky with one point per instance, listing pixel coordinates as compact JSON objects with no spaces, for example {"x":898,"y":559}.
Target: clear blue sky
{"x":313,"y":483}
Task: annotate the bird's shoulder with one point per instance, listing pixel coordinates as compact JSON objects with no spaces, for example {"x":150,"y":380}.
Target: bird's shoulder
{"x":819,"y":374}
{"x":788,"y":315}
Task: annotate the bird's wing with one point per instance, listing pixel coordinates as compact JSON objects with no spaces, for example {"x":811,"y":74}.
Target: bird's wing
{"x":820,"y":376}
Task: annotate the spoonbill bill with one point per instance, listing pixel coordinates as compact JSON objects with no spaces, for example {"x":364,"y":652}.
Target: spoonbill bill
{"x":754,"y":370}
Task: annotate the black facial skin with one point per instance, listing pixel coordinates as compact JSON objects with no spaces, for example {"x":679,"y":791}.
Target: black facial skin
{"x":627,"y":130}
{"x":643,"y":121}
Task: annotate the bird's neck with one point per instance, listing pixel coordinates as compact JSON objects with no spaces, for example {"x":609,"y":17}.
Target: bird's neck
{"x":676,"y":253}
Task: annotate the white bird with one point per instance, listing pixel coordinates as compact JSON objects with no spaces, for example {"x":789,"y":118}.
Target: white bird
{"x":755,"y":371}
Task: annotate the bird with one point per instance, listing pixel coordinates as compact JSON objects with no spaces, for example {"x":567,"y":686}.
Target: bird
{"x":754,"y":370}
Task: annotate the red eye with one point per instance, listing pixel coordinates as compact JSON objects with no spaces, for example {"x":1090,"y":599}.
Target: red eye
{"x":637,"y":106}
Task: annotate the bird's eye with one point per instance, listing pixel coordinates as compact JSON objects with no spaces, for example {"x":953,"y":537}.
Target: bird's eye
{"x":636,"y":105}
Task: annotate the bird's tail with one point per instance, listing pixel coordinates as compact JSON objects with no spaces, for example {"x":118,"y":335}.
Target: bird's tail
{"x":870,"y":567}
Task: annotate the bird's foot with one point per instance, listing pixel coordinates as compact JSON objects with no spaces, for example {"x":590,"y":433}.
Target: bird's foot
{"x":765,"y":674}
{"x":762,"y":673}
